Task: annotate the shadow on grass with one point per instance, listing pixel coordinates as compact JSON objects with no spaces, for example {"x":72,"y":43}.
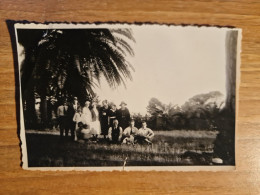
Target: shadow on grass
{"x":49,"y":151}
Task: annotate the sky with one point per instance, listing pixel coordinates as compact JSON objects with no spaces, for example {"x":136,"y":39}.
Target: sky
{"x":171,"y":64}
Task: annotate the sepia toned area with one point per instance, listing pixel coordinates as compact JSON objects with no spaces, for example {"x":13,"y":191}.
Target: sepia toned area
{"x":81,"y":89}
{"x":245,"y":180}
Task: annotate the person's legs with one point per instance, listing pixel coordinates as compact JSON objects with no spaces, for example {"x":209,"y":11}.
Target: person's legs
{"x":105,"y":131}
{"x":131,"y":139}
{"x":54,"y":124}
{"x":102,"y":128}
{"x":66,"y":131}
{"x":147,"y":140}
{"x":139,"y":139}
{"x":72,"y":129}
{"x":61,"y":123}
{"x":67,"y":126}
{"x":61,"y":131}
{"x":124,"y":139}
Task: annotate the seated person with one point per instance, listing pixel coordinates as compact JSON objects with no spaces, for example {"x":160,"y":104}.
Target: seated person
{"x":145,"y":135}
{"x":83,"y":132}
{"x":115,"y":133}
{"x":130,"y":133}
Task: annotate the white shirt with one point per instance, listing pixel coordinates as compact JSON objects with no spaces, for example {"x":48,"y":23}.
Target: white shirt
{"x":146,"y":132}
{"x":61,"y":110}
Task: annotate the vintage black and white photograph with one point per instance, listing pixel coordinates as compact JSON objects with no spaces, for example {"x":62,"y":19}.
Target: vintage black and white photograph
{"x":127,"y":96}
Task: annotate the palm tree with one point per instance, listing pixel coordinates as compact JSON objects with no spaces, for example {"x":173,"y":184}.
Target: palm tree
{"x":224,"y":146}
{"x":71,"y":62}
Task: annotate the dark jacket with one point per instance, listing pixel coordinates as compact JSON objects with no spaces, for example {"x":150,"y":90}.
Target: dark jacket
{"x":123,"y":117}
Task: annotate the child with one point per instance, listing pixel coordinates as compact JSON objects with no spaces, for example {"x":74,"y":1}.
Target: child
{"x":78,"y":133}
{"x":83,"y":132}
{"x":86,"y":133}
{"x":77,"y":118}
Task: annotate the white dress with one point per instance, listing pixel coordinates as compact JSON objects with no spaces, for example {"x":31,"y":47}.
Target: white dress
{"x":95,"y":125}
{"x":86,"y":116}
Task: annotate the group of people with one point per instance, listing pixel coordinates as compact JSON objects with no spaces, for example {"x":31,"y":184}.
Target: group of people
{"x":90,"y":123}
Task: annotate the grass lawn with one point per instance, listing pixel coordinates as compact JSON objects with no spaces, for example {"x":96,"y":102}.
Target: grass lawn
{"x":177,"y":147}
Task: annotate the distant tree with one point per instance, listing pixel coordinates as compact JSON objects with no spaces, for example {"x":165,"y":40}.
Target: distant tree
{"x":178,"y":119}
{"x":138,"y":118}
{"x":159,"y":113}
{"x":203,"y":105}
{"x":199,"y":112}
{"x":155,"y":107}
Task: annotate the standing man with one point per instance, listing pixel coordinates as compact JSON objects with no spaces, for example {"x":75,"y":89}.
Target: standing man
{"x":62,"y":113}
{"x":103,"y":115}
{"x":123,"y":115}
{"x":73,"y":107}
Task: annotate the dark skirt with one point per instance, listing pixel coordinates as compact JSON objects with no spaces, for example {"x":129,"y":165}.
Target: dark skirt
{"x":104,"y":127}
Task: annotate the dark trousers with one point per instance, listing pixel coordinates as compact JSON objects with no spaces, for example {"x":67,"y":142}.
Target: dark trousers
{"x":123,"y":123}
{"x":72,"y":128}
{"x":141,"y":140}
{"x":64,"y":126}
{"x":104,"y":128}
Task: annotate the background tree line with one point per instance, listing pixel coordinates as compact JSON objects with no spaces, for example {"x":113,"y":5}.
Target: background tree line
{"x":198,"y":113}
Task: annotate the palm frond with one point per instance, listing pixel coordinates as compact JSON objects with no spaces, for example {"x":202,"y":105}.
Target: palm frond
{"x":125,"y":32}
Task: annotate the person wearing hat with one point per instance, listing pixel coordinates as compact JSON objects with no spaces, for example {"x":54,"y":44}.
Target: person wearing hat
{"x":123,"y":115}
{"x":103,"y":117}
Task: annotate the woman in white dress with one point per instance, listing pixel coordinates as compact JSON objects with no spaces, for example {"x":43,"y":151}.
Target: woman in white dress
{"x":86,"y":116}
{"x":95,"y":125}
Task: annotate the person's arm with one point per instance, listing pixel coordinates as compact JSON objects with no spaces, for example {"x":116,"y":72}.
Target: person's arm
{"x":58,"y":112}
{"x":128,"y":115}
{"x":75,"y":117}
{"x":150,"y":134}
{"x":100,"y":113}
{"x":69,"y":110}
{"x":135,"y":132}
{"x":120,"y":134}
{"x":125,"y":133}
{"x":108,"y":113}
{"x":83,"y":110}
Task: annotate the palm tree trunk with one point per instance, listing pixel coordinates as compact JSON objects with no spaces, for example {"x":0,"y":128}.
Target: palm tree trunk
{"x":224,"y":145}
{"x":231,"y":61}
{"x":44,"y":111}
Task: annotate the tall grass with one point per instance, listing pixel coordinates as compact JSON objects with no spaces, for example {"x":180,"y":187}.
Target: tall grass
{"x":169,"y":148}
